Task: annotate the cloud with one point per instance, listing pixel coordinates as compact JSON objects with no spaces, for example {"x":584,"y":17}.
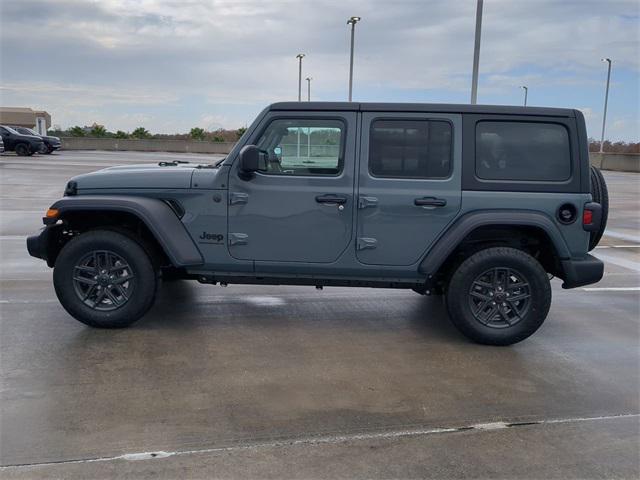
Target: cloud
{"x":180,"y":60}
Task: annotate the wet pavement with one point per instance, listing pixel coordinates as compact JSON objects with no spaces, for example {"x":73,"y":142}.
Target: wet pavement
{"x":290,"y":382}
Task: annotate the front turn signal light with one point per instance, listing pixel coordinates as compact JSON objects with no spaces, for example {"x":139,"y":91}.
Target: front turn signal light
{"x":51,"y":216}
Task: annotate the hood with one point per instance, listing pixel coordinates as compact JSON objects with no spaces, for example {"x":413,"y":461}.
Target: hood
{"x":33,"y":138}
{"x":163,"y":175}
{"x":50,"y":138}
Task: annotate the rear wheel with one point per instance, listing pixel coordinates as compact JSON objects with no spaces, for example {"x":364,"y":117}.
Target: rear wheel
{"x":22,"y":150}
{"x":499,"y":296}
{"x":105,"y":279}
{"x":599,"y":194}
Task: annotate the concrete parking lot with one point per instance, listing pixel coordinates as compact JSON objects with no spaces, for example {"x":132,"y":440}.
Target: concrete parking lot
{"x":290,"y":382}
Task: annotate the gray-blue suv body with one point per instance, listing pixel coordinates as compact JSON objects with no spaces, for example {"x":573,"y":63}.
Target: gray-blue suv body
{"x":480,"y":203}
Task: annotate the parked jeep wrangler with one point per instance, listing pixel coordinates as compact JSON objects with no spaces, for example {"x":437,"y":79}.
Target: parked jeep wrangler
{"x":480,"y":203}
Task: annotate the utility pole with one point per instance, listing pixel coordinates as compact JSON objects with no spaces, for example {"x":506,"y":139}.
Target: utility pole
{"x":606,"y":100}
{"x":352,"y":21}
{"x":526,"y":92}
{"x":476,"y":55}
{"x":300,"y":56}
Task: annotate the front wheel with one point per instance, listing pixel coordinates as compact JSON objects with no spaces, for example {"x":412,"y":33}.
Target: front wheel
{"x":105,"y":279}
{"x":499,"y":296}
{"x":22,"y":150}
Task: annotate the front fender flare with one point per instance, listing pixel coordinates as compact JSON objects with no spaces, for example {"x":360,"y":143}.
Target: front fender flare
{"x":462,"y":227}
{"x":158,"y":217}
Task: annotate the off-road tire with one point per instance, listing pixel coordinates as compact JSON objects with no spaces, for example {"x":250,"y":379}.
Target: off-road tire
{"x":144,"y":281}
{"x":22,"y":150}
{"x":460,"y":300}
{"x":599,"y":194}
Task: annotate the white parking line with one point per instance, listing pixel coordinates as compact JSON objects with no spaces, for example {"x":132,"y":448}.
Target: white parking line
{"x":622,"y":236}
{"x":621,"y":262}
{"x":612,"y":289}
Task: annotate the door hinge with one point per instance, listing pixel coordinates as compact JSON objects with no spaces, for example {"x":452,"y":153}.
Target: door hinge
{"x":366,"y":202}
{"x":237,"y":198}
{"x":365,"y":243}
{"x":238,"y":239}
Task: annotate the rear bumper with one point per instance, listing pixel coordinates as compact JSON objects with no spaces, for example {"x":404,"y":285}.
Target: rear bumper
{"x":582,"y":271}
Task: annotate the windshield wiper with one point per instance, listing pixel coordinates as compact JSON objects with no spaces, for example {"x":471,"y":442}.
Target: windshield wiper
{"x":172,"y":163}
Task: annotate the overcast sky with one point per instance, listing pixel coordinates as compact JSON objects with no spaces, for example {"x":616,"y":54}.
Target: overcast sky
{"x":171,"y":65}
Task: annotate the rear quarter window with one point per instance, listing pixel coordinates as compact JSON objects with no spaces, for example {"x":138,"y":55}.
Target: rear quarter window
{"x":522,"y":151}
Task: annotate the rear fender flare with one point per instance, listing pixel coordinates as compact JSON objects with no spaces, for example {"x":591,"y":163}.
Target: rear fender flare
{"x":449,"y":240}
{"x":158,"y":217}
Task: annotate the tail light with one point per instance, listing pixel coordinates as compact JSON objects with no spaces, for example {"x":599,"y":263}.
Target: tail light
{"x":591,"y":216}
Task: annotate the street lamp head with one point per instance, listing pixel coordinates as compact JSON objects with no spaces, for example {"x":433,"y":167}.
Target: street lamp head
{"x":300,"y":55}
{"x":524,"y":87}
{"x":308,"y":79}
{"x":605,"y":60}
{"x":353,"y":20}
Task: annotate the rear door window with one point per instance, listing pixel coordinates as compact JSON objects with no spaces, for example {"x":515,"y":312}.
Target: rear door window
{"x":525,"y":151}
{"x":410,"y":149}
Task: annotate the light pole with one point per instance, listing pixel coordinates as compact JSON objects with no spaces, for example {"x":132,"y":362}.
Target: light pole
{"x":476,"y":55}
{"x":352,"y":21}
{"x":308,"y":79}
{"x":300,"y":56}
{"x":606,"y":99}
{"x":526,"y":93}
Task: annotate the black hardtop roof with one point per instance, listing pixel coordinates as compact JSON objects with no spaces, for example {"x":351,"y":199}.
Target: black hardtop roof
{"x":423,"y":107}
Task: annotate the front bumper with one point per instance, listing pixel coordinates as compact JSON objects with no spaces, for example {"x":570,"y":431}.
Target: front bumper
{"x":582,"y":271}
{"x":42,"y":245}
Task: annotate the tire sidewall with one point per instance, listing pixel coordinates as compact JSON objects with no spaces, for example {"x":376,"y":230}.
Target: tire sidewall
{"x":144,"y":288}
{"x":462,"y":280}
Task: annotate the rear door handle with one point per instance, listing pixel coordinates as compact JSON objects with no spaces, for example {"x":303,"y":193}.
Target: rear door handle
{"x":429,"y":202}
{"x":331,"y":199}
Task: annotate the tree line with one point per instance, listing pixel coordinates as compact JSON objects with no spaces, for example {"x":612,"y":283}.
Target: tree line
{"x":99,"y":131}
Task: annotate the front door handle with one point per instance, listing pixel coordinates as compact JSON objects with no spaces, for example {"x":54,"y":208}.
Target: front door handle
{"x":332,"y":199}
{"x":429,"y":202}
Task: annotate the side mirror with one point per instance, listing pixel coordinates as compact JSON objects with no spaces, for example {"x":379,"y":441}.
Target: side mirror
{"x":252,"y":159}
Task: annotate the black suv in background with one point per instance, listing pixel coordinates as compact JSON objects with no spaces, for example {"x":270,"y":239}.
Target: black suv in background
{"x":50,"y":143}
{"x":23,"y":145}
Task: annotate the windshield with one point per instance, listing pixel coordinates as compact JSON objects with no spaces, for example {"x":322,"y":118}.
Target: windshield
{"x":10,"y":130}
{"x":26,"y":131}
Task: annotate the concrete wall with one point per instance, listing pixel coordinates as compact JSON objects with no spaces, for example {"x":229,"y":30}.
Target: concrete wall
{"x":151,"y":145}
{"x":621,"y":162}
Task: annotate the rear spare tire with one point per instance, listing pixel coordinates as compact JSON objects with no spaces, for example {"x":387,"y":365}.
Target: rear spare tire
{"x":599,"y":194}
